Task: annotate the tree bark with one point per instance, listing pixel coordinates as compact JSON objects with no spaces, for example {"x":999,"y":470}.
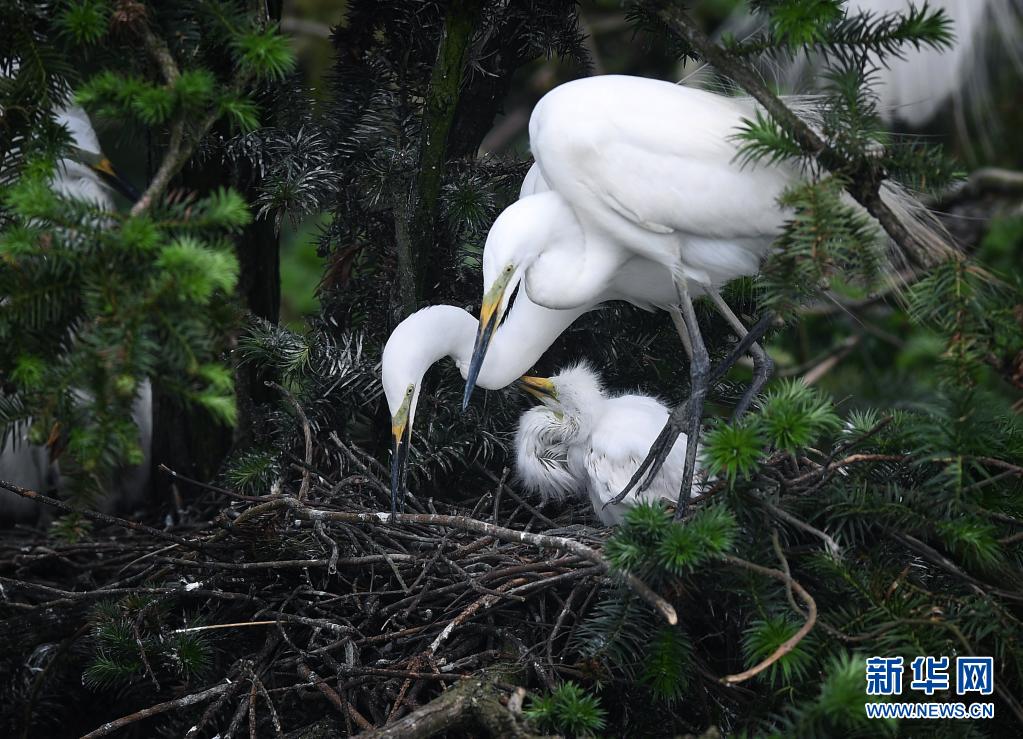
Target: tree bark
{"x":415,"y":242}
{"x":472,"y":703}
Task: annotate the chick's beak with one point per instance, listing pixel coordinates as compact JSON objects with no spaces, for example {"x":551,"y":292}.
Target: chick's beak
{"x":400,"y":430}
{"x":489,"y":320}
{"x":540,"y":388}
{"x":113,"y":178}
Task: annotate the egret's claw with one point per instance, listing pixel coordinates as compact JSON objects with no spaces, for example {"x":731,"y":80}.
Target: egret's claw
{"x":679,"y":418}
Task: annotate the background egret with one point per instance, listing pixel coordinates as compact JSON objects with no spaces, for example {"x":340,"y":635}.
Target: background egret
{"x":582,"y":441}
{"x":627,"y":184}
{"x":86,"y":175}
{"x":913,"y":88}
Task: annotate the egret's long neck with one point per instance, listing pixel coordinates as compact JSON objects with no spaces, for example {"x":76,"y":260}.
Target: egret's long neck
{"x":527,"y":332}
{"x":573,"y":275}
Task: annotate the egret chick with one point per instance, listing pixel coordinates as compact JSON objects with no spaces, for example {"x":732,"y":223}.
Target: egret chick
{"x":580,"y":440}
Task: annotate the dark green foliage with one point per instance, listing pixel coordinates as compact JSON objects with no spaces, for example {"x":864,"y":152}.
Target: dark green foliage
{"x":129,"y":645}
{"x":82,"y":281}
{"x":733,"y":449}
{"x":85,"y":21}
{"x":825,"y":241}
{"x":96,"y":302}
{"x":569,"y":710}
{"x":764,"y":636}
{"x":667,"y":666}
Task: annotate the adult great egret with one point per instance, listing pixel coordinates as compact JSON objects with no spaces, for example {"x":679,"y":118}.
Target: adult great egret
{"x":582,"y":441}
{"x":639,"y":170}
{"x":87,"y":175}
{"x":439,"y":331}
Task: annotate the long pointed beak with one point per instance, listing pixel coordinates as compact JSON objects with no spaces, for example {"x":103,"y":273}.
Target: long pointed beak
{"x":399,"y":461}
{"x":489,"y":319}
{"x":113,"y":178}
{"x":540,"y":388}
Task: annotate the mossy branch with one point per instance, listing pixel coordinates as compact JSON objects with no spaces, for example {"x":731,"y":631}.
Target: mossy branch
{"x":416,"y":232}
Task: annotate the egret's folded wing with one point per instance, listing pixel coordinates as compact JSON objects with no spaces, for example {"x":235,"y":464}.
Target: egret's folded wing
{"x":661,"y":156}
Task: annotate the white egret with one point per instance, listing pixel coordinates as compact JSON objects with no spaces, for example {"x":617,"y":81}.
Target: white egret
{"x":84,"y":175}
{"x":582,"y":441}
{"x":439,"y":331}
{"x":641,"y":172}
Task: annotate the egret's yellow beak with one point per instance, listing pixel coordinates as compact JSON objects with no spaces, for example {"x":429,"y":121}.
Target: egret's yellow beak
{"x":401,"y":429}
{"x":539,"y":387}
{"x":113,"y":178}
{"x":490,"y":319}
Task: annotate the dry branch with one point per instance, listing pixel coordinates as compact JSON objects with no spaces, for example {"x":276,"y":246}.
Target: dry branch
{"x":498,"y":532}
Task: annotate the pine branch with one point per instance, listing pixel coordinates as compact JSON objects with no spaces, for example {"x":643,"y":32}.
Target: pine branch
{"x":100,"y":517}
{"x":862,"y":181}
{"x":789,"y":644}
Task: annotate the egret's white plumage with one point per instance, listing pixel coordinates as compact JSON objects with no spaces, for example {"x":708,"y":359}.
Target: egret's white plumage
{"x":440,"y":331}
{"x":639,"y":192}
{"x":581,"y":440}
{"x":636,"y":168}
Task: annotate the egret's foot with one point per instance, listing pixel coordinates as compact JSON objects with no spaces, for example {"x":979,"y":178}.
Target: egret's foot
{"x":659,"y":451}
{"x":679,"y":418}
{"x":763,"y":369}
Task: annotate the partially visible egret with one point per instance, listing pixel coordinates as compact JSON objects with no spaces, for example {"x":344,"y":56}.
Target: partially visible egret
{"x":916,"y":85}
{"x":641,"y":172}
{"x":582,"y":441}
{"x":439,"y":331}
{"x":86,"y":174}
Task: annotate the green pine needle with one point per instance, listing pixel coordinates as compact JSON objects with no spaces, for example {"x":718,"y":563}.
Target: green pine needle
{"x":568,"y":709}
{"x":264,"y":54}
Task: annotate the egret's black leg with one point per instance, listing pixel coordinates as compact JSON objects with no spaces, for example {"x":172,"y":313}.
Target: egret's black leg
{"x":679,"y":418}
{"x":699,"y":381}
{"x":683,"y":332}
{"x":763,"y":365}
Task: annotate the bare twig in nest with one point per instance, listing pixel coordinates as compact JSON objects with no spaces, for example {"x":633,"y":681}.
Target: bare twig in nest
{"x":498,"y":532}
{"x":307,"y":433}
{"x":789,"y":644}
{"x":476,"y":702}
{"x":188,"y":700}
{"x":100,"y":517}
{"x":331,"y":695}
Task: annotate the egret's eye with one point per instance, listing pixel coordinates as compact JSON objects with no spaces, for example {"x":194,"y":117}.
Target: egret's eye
{"x":508,"y":269}
{"x":409,"y":390}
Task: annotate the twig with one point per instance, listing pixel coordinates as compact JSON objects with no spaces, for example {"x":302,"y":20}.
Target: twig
{"x":790,"y":643}
{"x":179,"y":146}
{"x":498,"y":532}
{"x":303,"y":490}
{"x":240,"y":624}
{"x":188,"y":700}
{"x":830,"y":544}
{"x":485,"y":602}
{"x":343,"y":706}
{"x":101,"y":517}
